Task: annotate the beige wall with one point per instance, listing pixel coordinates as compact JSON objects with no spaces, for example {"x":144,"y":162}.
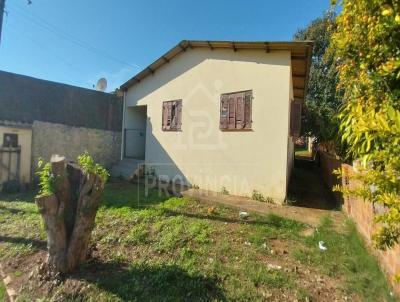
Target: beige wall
{"x":201,"y":153}
{"x":24,"y":140}
{"x":49,"y":138}
{"x":290,"y":148}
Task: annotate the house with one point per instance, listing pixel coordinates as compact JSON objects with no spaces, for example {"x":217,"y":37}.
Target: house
{"x":219,"y":116}
{"x":39,"y":118}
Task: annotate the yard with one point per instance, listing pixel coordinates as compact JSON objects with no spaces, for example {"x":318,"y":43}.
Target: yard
{"x":175,"y":249}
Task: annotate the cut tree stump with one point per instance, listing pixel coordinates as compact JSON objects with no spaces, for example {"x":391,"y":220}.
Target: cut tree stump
{"x":69,"y":214}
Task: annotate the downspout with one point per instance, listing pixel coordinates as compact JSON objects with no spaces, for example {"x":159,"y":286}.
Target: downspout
{"x":123,"y":126}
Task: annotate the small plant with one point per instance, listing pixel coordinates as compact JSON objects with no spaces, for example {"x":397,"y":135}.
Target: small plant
{"x":46,"y":178}
{"x":224,"y":191}
{"x":260,"y":197}
{"x":89,"y":167}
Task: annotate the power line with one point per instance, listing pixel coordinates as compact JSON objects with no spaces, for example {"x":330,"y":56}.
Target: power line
{"x":35,"y":19}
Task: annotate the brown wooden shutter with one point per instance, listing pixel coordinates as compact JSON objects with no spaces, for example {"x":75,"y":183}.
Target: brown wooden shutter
{"x":295,"y":118}
{"x":247,"y":109}
{"x":240,"y":121}
{"x":169,"y":120}
{"x":224,"y":112}
{"x":164,"y":115}
{"x":231,"y":111}
{"x":178,"y":112}
{"x":173,"y":115}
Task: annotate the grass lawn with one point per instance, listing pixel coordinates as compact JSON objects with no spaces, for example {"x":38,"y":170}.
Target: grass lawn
{"x":156,"y":248}
{"x":302,"y":151}
{"x":2,"y":291}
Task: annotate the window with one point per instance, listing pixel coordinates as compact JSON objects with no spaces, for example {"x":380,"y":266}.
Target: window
{"x":172,"y":115}
{"x":295,"y":118}
{"x":235,"y":111}
{"x":10,"y":140}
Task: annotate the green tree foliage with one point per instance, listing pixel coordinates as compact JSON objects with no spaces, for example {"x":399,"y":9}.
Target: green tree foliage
{"x":322,"y":100}
{"x":367,"y":46}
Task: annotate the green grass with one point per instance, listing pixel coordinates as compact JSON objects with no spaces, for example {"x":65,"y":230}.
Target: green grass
{"x":173,"y":249}
{"x":346,"y":257}
{"x":2,"y":291}
{"x":302,"y":151}
{"x":21,"y":230}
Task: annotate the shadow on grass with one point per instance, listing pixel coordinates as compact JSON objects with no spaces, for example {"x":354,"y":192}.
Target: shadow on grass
{"x":119,"y":194}
{"x":27,"y":196}
{"x":143,"y":282}
{"x":38,"y":244}
{"x":12,"y":210}
{"x":307,"y":189}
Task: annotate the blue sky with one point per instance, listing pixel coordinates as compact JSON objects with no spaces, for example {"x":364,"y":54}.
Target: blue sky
{"x":78,"y":41}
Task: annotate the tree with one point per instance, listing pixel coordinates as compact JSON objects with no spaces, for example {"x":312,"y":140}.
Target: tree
{"x":322,"y":100}
{"x":68,"y":201}
{"x":366,"y":44}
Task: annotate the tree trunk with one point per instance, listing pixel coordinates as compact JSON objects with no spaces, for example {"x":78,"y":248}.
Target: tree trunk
{"x":69,"y":214}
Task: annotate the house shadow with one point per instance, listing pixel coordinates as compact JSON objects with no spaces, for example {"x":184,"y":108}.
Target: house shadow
{"x":138,"y":196}
{"x":145,"y":282}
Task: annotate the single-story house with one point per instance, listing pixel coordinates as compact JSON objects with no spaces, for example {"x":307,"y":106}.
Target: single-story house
{"x":39,"y":118}
{"x":219,"y":116}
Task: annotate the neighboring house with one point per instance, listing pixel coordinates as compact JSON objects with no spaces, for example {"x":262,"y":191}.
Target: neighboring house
{"x":39,"y":118}
{"x":221,"y":116}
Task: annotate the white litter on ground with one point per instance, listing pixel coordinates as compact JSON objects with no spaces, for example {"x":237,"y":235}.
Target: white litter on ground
{"x":274,"y":266}
{"x":322,"y":246}
{"x":243,"y":215}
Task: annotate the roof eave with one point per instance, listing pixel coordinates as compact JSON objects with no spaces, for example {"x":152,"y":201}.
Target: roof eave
{"x":182,"y":46}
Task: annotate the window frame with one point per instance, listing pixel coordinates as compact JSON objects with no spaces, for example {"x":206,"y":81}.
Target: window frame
{"x":13,"y":143}
{"x":247,"y":122}
{"x":178,"y":125}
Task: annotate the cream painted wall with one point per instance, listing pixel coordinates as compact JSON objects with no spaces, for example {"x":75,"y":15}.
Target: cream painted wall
{"x":24,"y":140}
{"x":203,"y":155}
{"x":290,"y":148}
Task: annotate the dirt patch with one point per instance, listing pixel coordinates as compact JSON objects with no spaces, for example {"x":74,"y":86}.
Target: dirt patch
{"x":308,"y":216}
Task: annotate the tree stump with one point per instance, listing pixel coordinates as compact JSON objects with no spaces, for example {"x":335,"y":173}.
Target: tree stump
{"x":69,"y":213}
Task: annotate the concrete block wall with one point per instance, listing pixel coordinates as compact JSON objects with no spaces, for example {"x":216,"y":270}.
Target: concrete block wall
{"x":50,"y":138}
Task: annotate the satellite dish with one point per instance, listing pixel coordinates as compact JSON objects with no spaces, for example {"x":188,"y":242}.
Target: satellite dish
{"x":101,"y":84}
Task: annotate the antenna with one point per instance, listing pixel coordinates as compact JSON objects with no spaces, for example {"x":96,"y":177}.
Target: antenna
{"x":101,"y":84}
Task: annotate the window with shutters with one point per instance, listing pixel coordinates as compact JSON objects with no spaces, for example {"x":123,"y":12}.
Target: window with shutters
{"x":295,"y":118}
{"x":235,"y":113}
{"x":172,"y":115}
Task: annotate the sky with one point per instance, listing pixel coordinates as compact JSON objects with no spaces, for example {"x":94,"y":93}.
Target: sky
{"x":79,"y":41}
